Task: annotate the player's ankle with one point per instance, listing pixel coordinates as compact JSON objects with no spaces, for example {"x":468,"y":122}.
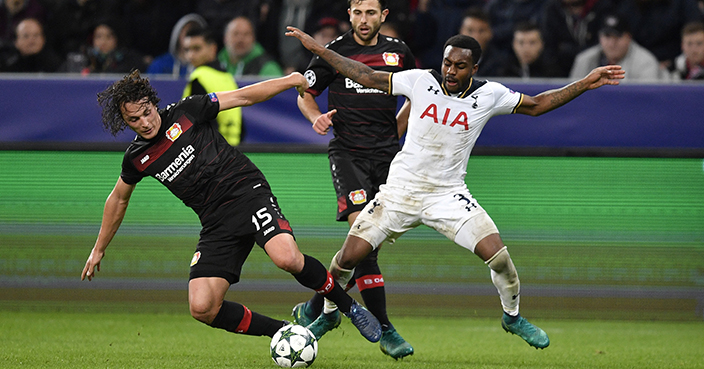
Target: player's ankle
{"x":510,"y":319}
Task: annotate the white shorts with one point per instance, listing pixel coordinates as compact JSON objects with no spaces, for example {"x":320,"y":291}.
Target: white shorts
{"x":394,"y":211}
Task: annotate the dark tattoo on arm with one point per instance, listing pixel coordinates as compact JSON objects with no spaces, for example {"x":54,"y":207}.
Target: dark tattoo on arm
{"x":566,"y":94}
{"x":357,"y":71}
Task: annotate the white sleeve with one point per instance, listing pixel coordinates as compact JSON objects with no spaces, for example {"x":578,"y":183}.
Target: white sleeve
{"x":402,"y":82}
{"x":506,"y":100}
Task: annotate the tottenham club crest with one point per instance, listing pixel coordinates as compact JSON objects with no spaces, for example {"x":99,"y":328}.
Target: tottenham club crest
{"x":174,"y":132}
{"x":310,"y":77}
{"x":391,"y":59}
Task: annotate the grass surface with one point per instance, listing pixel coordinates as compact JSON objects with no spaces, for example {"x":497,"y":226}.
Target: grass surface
{"x":45,"y":339}
{"x":615,"y":223}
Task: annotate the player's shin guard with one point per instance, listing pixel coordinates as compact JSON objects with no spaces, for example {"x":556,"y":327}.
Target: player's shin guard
{"x":371,"y":286}
{"x":342,"y":277}
{"x":316,"y":277}
{"x":237,"y":318}
{"x":505,"y":278}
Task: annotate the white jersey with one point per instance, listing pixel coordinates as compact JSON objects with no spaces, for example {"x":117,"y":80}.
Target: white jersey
{"x":442,"y":129}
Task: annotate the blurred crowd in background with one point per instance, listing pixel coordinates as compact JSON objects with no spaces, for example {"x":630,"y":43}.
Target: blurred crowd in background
{"x":654,"y":40}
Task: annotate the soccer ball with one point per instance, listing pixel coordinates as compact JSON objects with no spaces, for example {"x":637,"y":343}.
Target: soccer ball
{"x":294,"y":346}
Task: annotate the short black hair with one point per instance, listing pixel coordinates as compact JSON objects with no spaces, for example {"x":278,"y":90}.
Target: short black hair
{"x":527,"y":26}
{"x":477,"y":13}
{"x":198,"y":31}
{"x":692,"y":27}
{"x":131,"y":88}
{"x":381,"y":2}
{"x":465,"y":42}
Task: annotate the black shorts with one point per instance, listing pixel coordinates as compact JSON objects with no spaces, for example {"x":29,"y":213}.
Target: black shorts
{"x":229,"y":233}
{"x":356,"y":180}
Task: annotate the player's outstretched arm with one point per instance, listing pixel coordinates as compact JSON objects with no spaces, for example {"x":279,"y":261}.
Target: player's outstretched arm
{"x":261,"y":91}
{"x":353,"y":69}
{"x":113,"y":213}
{"x":553,"y":99}
{"x":309,"y":108}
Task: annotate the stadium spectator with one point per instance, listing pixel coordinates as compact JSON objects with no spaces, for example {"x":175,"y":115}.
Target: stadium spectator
{"x":572,"y":26}
{"x":12,"y":12}
{"x":476,"y":24}
{"x":426,"y":182}
{"x":243,"y":55}
{"x":657,"y":24}
{"x":106,"y":52}
{"x":528,"y":59}
{"x":423,"y":32}
{"x":366,"y":137}
{"x":617,"y":47}
{"x":218,"y":13}
{"x":400,"y":18}
{"x":504,"y":15}
{"x":433,"y":22}
{"x":690,"y":64}
{"x":31,"y":53}
{"x":201,"y":52}
{"x":71,"y":22}
{"x":232,"y":198}
{"x":325,"y":30}
{"x":389,"y":29}
{"x":298,"y":13}
{"x":150,"y":23}
{"x":303,"y":13}
{"x":174,"y":61}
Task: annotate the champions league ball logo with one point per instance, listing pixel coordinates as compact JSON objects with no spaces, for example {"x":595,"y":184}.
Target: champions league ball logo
{"x":310,"y":77}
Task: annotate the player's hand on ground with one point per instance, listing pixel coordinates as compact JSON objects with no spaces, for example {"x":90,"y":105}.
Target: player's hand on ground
{"x":306,"y":40}
{"x":323,"y":123}
{"x":301,"y":83}
{"x":92,"y":265}
{"x":606,"y":75}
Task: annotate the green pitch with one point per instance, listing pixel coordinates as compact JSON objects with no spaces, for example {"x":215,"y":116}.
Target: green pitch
{"x":174,"y":340}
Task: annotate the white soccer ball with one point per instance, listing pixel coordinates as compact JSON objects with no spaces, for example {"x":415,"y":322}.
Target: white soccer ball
{"x":294,"y":346}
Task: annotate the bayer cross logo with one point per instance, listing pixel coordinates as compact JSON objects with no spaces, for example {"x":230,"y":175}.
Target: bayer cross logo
{"x":310,"y":77}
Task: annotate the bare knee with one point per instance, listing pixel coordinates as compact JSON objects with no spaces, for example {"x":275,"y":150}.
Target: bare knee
{"x":353,"y":251}
{"x":292,"y":264}
{"x":205,"y":297}
{"x":204,"y":311}
{"x":283,"y":251}
{"x":489,"y":247}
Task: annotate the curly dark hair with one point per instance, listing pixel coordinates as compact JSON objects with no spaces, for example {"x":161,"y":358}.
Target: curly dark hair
{"x":131,"y":88}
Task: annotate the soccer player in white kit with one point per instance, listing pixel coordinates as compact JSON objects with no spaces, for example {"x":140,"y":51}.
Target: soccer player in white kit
{"x":426,"y":178}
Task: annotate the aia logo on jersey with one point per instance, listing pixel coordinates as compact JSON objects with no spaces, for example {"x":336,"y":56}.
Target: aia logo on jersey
{"x":391,"y":59}
{"x":458,"y":119}
{"x":213,"y":97}
{"x":174,"y":132}
{"x":358,"y":197}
